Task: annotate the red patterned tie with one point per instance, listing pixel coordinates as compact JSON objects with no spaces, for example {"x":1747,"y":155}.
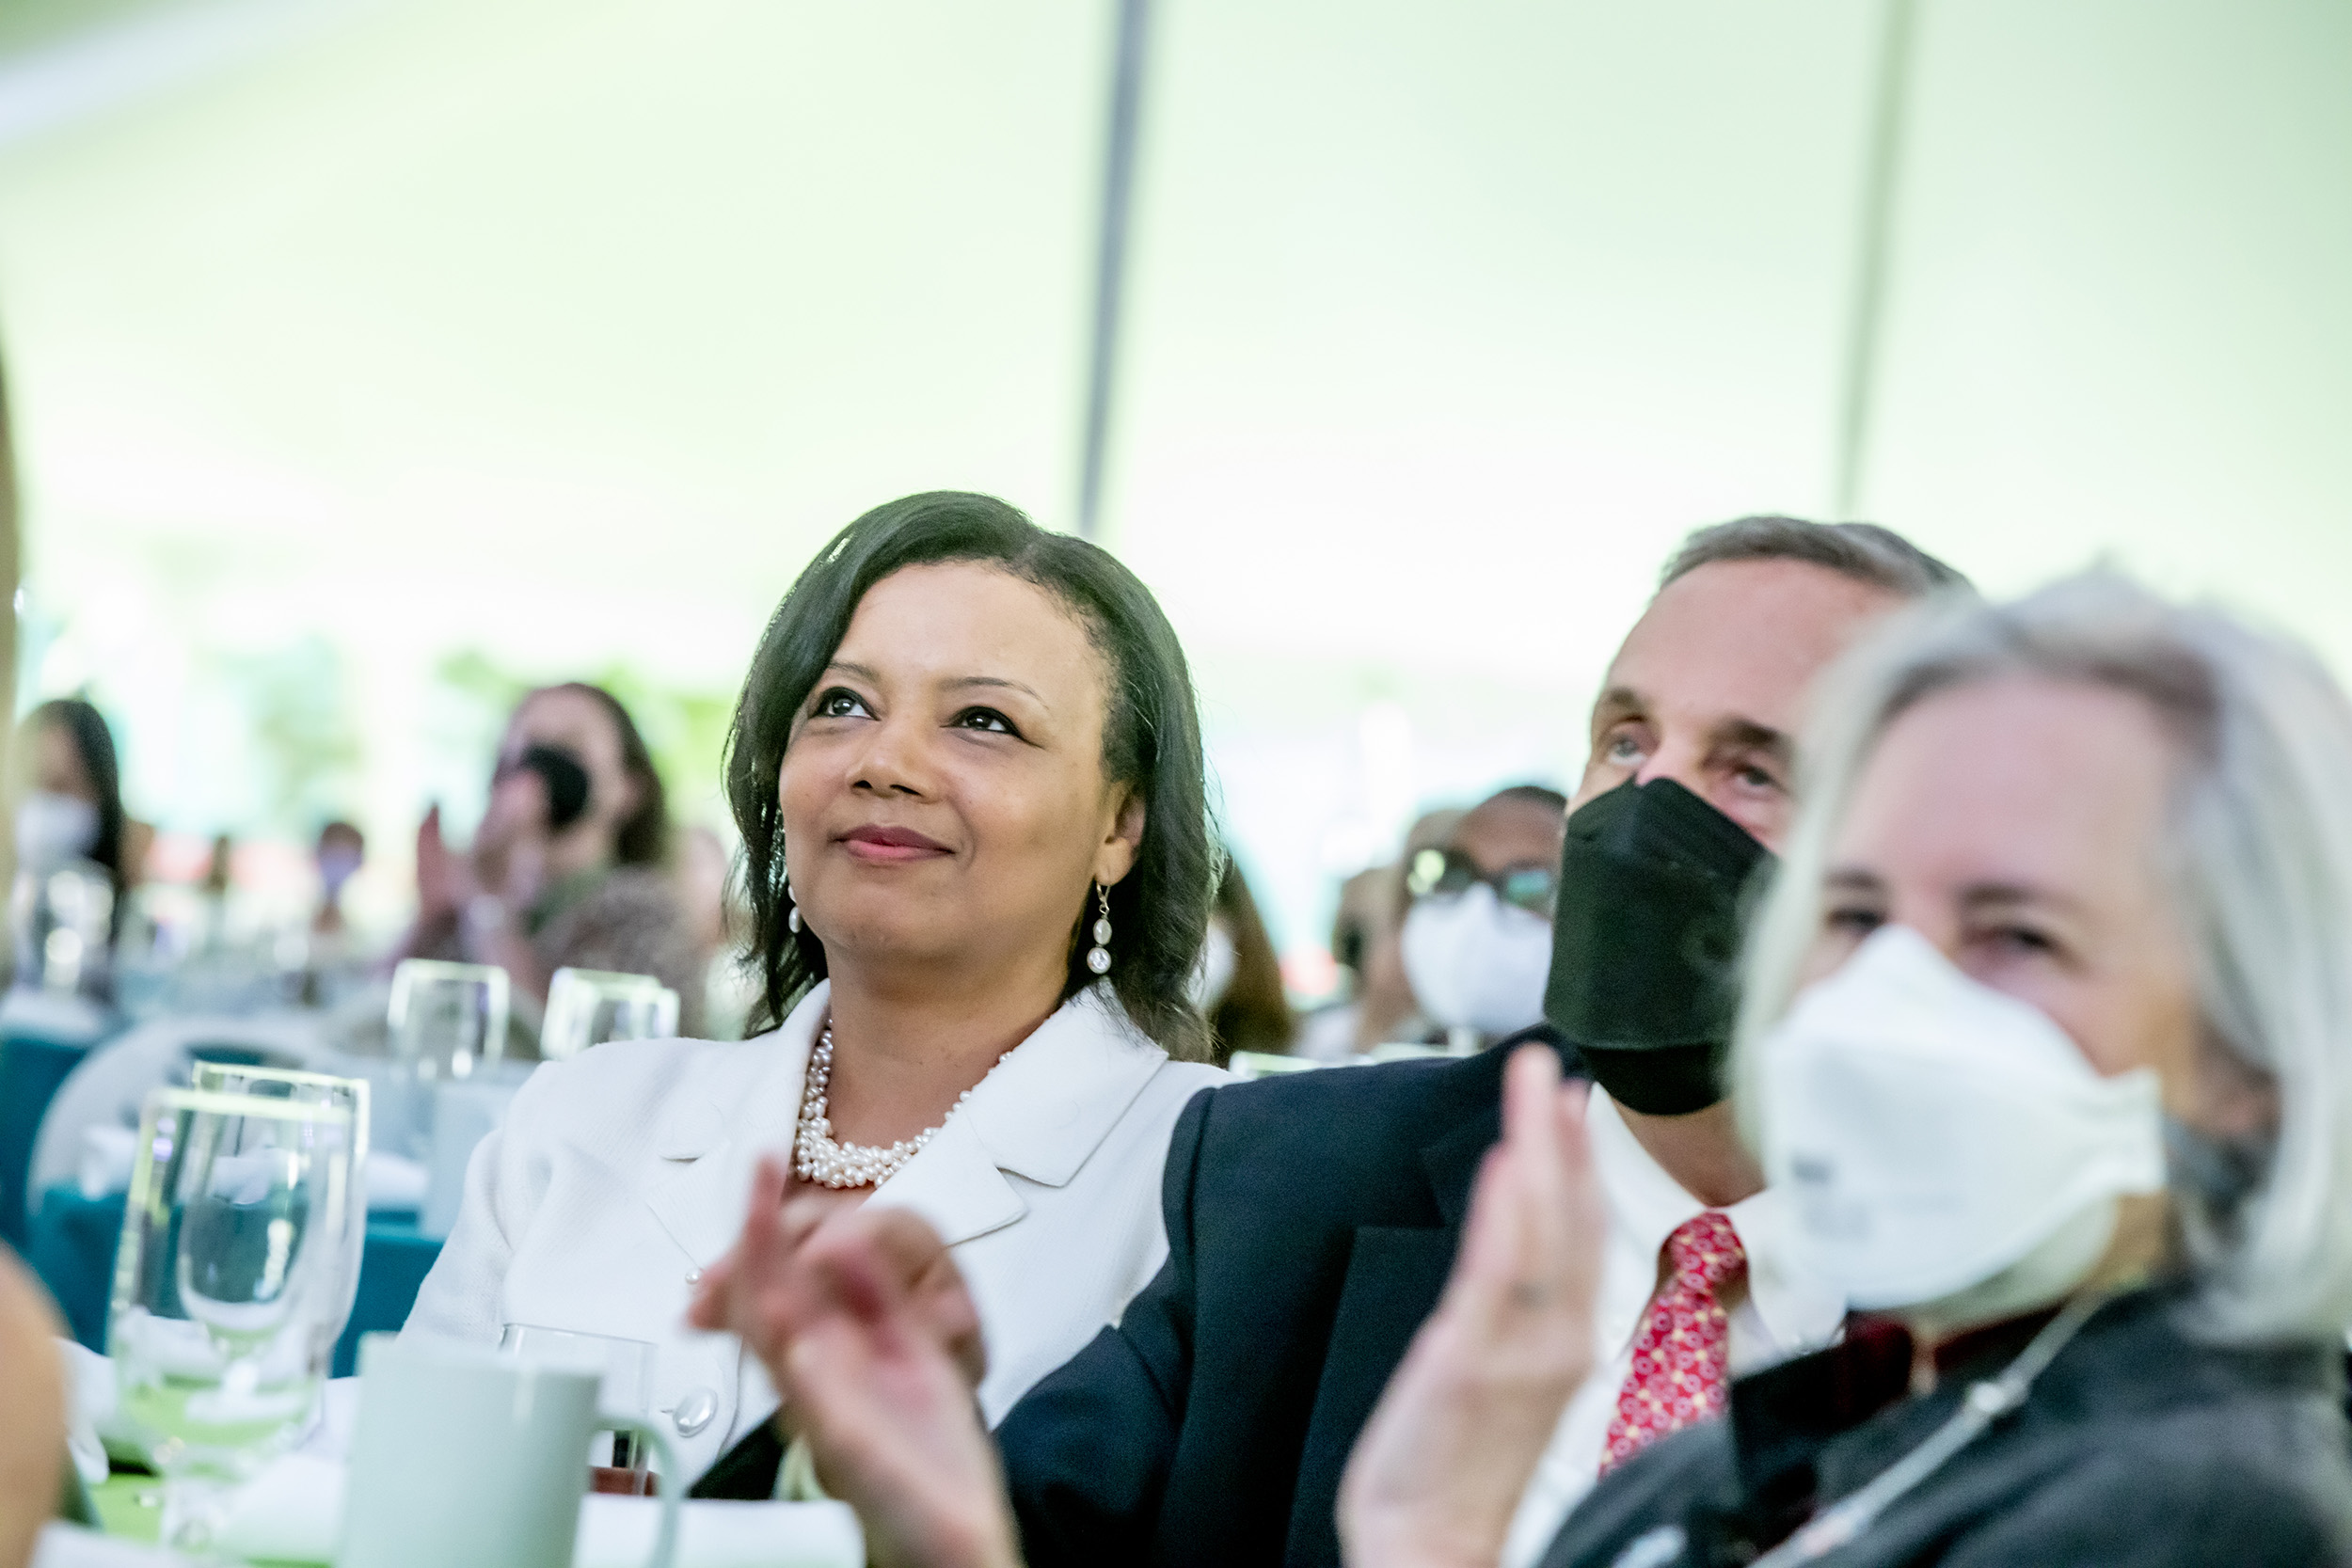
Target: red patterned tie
{"x":1682,"y":1360}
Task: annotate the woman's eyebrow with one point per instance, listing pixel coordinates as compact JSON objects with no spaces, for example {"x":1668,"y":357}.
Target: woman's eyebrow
{"x":1000,"y":684}
{"x":1983,"y":897}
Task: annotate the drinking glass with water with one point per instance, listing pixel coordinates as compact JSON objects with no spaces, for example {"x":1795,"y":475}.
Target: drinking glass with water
{"x":228,"y":1289}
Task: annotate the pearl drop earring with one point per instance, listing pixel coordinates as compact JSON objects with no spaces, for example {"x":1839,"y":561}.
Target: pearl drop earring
{"x":791,"y":911}
{"x":1099,"y":956}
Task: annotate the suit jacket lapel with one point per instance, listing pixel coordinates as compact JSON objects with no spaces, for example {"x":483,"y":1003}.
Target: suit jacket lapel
{"x":1395,"y":1277}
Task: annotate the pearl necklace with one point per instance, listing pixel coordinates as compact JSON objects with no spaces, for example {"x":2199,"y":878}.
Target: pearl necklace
{"x":816,"y":1157}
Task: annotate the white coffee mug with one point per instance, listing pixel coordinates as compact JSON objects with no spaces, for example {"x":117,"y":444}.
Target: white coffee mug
{"x":463,"y":1458}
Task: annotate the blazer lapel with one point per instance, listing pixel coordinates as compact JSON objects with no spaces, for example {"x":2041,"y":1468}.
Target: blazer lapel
{"x":1037,"y":1117}
{"x":1395,"y":1277}
{"x":954,"y":1184}
{"x":710,"y":1135}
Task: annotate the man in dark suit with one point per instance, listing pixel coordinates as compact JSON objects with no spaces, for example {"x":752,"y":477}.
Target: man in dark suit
{"x":1312,"y":1218}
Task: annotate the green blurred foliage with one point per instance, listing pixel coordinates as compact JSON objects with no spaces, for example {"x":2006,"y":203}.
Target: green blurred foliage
{"x":303,"y":753}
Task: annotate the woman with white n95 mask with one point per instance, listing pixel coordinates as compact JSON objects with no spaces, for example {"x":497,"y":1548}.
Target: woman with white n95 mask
{"x":2048,"y":1034}
{"x":1476,"y":941}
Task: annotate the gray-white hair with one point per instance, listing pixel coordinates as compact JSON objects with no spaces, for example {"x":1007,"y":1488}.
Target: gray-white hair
{"x":2257,"y":852}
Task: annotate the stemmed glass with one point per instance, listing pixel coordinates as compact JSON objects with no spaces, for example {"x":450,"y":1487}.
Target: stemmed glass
{"x":228,"y":1289}
{"x":349,"y":1095}
{"x":589,"y":1007}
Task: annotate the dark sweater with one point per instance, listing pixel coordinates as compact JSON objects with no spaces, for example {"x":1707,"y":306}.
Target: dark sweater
{"x":2139,"y":1445}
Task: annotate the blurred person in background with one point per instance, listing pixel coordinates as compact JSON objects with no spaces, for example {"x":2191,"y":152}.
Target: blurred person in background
{"x":1238,"y":983}
{"x":69,"y":811}
{"x":341,"y":851}
{"x":331,"y":960}
{"x":1379,"y":1005}
{"x":2047,"y":1023}
{"x":568,"y":868}
{"x":71,"y":805}
{"x":721,"y":921}
{"x":967,"y":772}
{"x":1475,"y":944}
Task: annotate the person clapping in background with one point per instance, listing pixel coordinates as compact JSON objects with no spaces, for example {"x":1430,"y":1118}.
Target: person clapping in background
{"x":567,"y":867}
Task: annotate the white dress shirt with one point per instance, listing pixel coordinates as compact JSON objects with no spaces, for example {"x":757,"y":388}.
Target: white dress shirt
{"x":622,"y":1174}
{"x":1782,"y":1314}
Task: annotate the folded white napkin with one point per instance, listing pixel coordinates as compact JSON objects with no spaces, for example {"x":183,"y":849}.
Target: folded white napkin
{"x":291,"y":1512}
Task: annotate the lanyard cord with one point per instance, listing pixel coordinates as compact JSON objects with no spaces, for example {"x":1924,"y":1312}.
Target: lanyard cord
{"x":1983,"y":1404}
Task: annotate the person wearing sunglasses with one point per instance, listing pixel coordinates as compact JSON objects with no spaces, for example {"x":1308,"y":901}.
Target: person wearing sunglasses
{"x":1477,"y":936}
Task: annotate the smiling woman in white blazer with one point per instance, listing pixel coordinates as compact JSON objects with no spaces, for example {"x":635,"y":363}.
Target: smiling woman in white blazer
{"x":967,"y":769}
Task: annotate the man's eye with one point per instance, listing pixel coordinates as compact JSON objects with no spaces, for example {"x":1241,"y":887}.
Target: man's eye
{"x":1622,"y":750}
{"x":841,"y":702}
{"x":1750,"y":776}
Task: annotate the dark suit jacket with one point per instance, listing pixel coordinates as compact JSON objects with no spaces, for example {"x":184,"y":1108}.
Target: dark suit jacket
{"x":1312,"y":1220}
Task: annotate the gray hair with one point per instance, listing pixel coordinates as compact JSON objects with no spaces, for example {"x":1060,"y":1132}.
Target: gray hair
{"x":2258,"y":853}
{"x":1864,"y":551}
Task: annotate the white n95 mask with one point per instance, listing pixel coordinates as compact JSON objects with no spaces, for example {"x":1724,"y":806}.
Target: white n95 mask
{"x":1476,"y":962}
{"x":1942,"y":1143}
{"x":52,"y":829}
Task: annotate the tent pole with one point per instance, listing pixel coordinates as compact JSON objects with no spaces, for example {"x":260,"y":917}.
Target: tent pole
{"x":1119,"y":176}
{"x":1873,"y":247}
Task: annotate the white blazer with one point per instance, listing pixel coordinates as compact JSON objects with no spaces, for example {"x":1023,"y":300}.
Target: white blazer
{"x":620,"y":1175}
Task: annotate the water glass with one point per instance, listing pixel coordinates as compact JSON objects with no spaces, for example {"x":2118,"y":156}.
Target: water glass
{"x":624,"y":1369}
{"x":348,"y":1094}
{"x":447,"y":1021}
{"x":228,"y":1286}
{"x":589,"y":1007}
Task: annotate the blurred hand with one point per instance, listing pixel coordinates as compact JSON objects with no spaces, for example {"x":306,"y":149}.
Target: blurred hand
{"x":32,"y":1412}
{"x":1438,"y":1470}
{"x":867,"y":1331}
{"x":510,"y":848}
{"x":444,"y":882}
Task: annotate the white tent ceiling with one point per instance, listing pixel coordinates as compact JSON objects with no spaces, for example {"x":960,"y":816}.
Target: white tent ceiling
{"x":564,"y":332}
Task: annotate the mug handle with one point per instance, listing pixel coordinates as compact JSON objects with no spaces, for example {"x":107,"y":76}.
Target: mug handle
{"x":665,"y":1542}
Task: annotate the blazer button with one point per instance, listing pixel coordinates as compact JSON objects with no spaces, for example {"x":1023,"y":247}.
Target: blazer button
{"x":694,"y":1411}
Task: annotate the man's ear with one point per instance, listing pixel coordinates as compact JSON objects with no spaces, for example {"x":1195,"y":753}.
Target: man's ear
{"x":1116,"y":856}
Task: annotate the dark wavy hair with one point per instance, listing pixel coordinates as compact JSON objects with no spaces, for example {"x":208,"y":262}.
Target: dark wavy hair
{"x":642,"y":837}
{"x":94,"y":743}
{"x":1150,"y":741}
